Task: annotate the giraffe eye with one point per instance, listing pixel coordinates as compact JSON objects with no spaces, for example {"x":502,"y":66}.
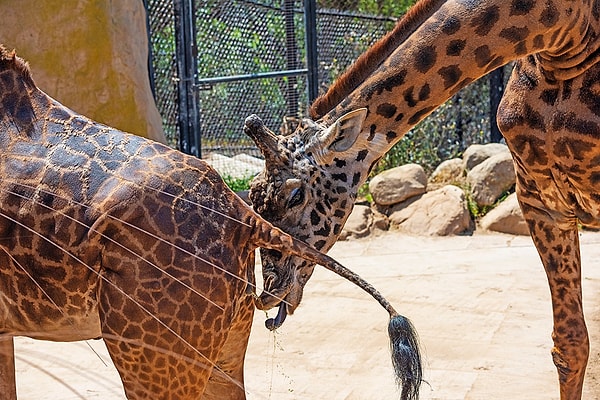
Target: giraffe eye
{"x":296,"y":197}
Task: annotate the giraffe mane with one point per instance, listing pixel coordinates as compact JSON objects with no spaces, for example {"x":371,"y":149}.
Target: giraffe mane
{"x":9,"y":59}
{"x":370,"y":60}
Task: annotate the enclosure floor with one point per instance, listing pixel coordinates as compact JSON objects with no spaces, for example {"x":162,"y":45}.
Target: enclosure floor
{"x":481,"y":306}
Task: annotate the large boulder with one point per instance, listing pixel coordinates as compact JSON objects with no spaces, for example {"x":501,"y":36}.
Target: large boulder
{"x":438,"y":213}
{"x":359,"y":223}
{"x":489,"y":179}
{"x":478,"y":153}
{"x":241,"y":166}
{"x":90,"y":55}
{"x":447,"y":173}
{"x":398,"y":184}
{"x":506,"y":218}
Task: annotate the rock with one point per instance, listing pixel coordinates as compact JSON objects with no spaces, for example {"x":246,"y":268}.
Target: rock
{"x":380,"y":221}
{"x":359,"y":223}
{"x":92,"y":56}
{"x":438,"y":213}
{"x":241,"y":166}
{"x":256,"y":162}
{"x":398,"y":184}
{"x":491,"y":178}
{"x":506,"y":218}
{"x":447,"y":173}
{"x":477,"y":153}
{"x":392,"y":208}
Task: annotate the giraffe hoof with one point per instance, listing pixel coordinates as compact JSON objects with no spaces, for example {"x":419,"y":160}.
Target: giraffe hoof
{"x":274,"y":323}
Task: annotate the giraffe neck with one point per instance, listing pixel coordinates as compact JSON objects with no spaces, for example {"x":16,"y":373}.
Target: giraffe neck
{"x":456,"y":43}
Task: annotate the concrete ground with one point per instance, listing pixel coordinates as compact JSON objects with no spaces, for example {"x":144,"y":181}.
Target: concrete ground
{"x":481,"y":306}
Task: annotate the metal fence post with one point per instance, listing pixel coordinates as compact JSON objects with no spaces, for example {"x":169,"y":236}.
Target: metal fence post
{"x":312,"y":63}
{"x":291,"y":45}
{"x":187,"y":66}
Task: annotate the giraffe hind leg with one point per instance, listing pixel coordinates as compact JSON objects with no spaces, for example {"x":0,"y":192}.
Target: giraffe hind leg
{"x":558,"y":247}
{"x":153,"y":360}
{"x":227,"y":381}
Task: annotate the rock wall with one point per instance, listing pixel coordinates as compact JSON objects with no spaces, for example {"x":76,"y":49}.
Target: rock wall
{"x":91,"y":55}
{"x":484,"y":173}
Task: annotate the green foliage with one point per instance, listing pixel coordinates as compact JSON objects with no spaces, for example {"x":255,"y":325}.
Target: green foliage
{"x":385,"y":7}
{"x":237,"y":184}
{"x":477,"y":211}
{"x":163,"y":54}
{"x":373,"y":7}
{"x":364,"y":193}
{"x":240,"y":38}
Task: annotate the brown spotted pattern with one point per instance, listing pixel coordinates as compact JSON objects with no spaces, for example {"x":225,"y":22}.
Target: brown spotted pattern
{"x":550,"y":117}
{"x":108,"y":235}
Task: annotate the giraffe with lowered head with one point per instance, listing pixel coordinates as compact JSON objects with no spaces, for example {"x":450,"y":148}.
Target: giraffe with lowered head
{"x":549,"y":116}
{"x":109,"y":235}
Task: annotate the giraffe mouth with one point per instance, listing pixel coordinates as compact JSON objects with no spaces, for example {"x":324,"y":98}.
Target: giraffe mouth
{"x":286,"y":306}
{"x":280,"y":288}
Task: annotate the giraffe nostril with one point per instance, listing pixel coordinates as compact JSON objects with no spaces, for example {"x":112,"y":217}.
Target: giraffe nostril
{"x":269,"y":281}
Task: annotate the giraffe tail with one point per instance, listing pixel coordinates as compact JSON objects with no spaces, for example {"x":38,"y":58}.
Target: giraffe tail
{"x":406,"y":356}
{"x":404,"y":342}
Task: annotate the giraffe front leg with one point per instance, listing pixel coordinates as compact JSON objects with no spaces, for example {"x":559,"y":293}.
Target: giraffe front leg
{"x":558,"y":246}
{"x":8,"y":386}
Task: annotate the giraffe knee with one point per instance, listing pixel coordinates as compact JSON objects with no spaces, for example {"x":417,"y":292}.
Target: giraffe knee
{"x":562,"y":365}
{"x":570,"y":365}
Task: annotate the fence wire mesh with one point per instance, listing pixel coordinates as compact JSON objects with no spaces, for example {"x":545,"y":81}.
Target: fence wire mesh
{"x":243,"y":38}
{"x":249,"y":37}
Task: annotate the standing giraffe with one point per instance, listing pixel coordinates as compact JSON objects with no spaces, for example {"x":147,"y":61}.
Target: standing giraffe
{"x":549,"y":116}
{"x":109,"y":235}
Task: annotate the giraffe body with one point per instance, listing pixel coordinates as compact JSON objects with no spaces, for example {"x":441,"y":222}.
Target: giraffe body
{"x":109,"y":235}
{"x":549,"y":116}
{"x":92,"y":214}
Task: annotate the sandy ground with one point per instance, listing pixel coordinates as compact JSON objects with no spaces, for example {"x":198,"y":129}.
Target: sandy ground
{"x":480,"y":304}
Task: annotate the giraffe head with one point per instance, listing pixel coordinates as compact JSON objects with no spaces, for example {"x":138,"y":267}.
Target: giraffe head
{"x":307,"y":189}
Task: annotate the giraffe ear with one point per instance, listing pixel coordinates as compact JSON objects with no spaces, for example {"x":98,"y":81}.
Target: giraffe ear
{"x":338,"y":137}
{"x":342,"y":134}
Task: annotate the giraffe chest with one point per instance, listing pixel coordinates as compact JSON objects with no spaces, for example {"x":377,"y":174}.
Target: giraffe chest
{"x":553,"y":132}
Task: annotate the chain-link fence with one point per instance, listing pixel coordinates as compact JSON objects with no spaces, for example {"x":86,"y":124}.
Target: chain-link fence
{"x":252,"y":59}
{"x":243,"y":49}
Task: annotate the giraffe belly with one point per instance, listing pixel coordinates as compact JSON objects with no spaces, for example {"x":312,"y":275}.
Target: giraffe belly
{"x":64,"y":330}
{"x":36,"y":303}
{"x":38,"y":324}
{"x":553,"y":132}
{"x":559,"y":172}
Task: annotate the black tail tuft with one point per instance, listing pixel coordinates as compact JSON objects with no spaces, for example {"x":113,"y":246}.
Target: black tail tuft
{"x":406,"y":357}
